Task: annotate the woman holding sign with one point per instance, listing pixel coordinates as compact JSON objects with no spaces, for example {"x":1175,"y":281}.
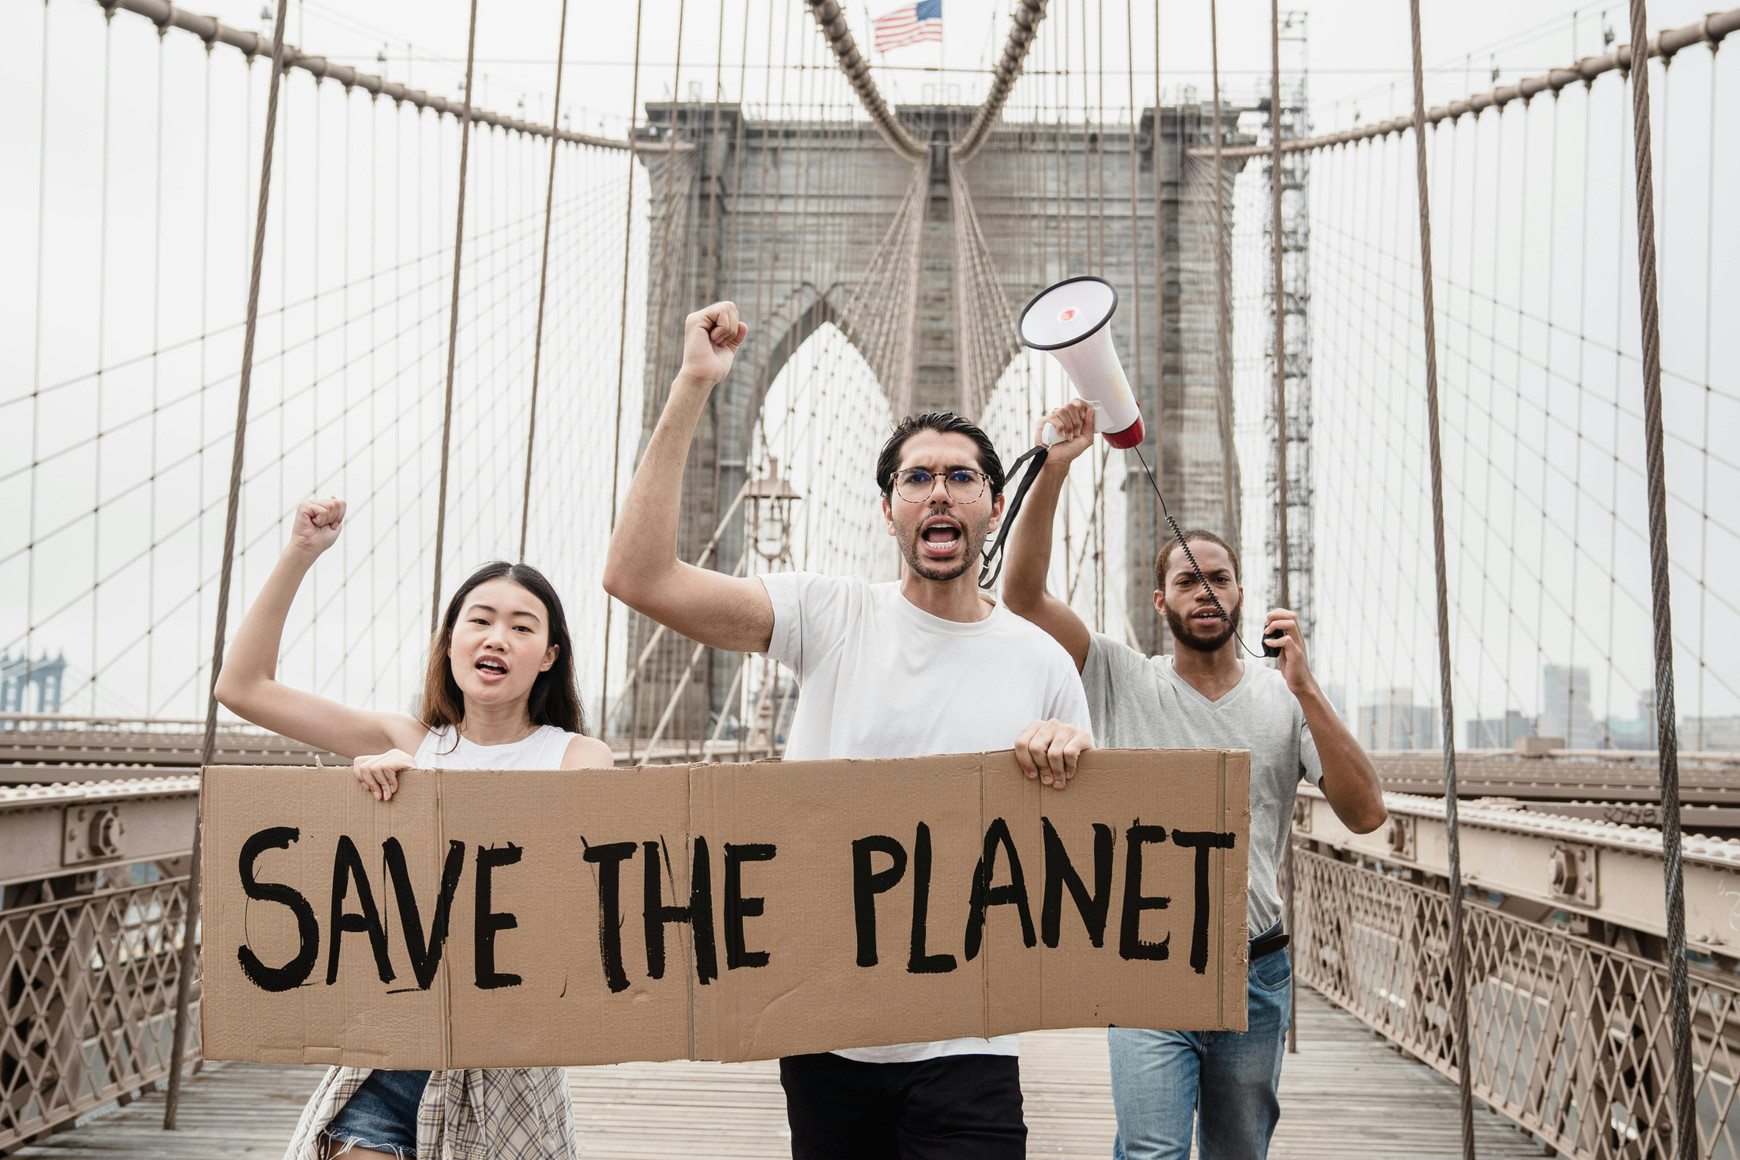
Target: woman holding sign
{"x":499,"y":694}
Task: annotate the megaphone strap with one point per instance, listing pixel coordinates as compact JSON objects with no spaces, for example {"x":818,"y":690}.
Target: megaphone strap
{"x":991,"y":564}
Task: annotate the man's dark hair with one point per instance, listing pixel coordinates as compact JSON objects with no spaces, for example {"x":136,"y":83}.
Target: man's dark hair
{"x":949,"y":423}
{"x":1163,"y":560}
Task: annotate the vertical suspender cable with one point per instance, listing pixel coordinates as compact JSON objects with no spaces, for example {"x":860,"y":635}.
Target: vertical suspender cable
{"x":453,"y":324}
{"x":1463,"y":1048}
{"x":238,"y":443}
{"x":1159,"y":286}
{"x":1281,"y":432}
{"x":1223,"y":312}
{"x":37,"y":345}
{"x":1284,"y":596}
{"x":1667,"y":740}
{"x":543,"y":281}
{"x":621,"y":358}
{"x":658,"y":313}
{"x":1135,"y":216}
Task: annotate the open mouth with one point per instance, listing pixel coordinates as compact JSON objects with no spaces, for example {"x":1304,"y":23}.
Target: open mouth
{"x":940,"y":538}
{"x":491,"y":669}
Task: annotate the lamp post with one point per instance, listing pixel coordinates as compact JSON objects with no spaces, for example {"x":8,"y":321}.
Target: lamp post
{"x":769,"y":526}
{"x":770,"y":498}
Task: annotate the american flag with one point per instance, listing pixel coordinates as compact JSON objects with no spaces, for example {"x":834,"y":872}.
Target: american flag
{"x":910,"y":25}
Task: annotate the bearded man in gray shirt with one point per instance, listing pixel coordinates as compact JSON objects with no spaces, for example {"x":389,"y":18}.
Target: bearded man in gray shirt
{"x":1224,"y":1084}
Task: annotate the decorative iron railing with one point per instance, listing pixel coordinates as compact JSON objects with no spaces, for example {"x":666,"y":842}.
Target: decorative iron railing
{"x":1571,"y":1039}
{"x":87,"y":997}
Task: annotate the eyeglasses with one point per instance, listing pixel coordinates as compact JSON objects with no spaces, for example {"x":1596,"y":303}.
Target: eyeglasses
{"x":963,"y":484}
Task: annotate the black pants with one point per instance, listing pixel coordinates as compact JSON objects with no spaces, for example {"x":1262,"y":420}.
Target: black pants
{"x":956,"y":1107}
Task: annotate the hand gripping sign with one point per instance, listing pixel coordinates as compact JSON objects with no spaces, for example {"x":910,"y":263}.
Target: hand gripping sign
{"x":514,"y":919}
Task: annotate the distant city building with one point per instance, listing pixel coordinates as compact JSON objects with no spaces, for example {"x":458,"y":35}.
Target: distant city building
{"x":1565,"y":707}
{"x":1710,"y":734}
{"x":1499,"y":732}
{"x":20,"y":677}
{"x":1395,"y":722}
{"x":1638,"y":733}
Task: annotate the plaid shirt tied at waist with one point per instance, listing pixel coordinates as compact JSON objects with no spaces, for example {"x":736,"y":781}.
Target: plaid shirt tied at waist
{"x":520,"y":1113}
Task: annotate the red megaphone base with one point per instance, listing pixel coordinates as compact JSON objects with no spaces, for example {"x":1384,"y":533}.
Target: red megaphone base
{"x":1129,"y":437}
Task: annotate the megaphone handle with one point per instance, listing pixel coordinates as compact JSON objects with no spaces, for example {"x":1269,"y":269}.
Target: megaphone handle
{"x":1051,"y":436}
{"x":991,"y":563}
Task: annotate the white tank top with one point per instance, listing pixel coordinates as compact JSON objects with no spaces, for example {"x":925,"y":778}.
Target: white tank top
{"x":543,"y":749}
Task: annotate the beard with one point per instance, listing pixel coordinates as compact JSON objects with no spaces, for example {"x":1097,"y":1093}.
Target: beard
{"x":942,"y":571}
{"x":1194,"y":639}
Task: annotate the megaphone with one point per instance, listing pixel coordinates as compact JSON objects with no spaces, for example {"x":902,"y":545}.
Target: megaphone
{"x":1071,"y":320}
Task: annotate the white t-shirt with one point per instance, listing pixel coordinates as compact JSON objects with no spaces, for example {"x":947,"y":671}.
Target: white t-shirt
{"x":881,"y":677}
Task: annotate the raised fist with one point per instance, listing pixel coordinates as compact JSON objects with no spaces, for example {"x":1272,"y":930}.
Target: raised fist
{"x":316,"y":524}
{"x":711,"y":337}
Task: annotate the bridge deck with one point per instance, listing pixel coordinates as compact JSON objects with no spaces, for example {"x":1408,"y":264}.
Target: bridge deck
{"x":1346,"y":1093}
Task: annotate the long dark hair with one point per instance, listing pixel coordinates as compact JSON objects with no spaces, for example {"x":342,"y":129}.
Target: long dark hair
{"x":554,"y":700}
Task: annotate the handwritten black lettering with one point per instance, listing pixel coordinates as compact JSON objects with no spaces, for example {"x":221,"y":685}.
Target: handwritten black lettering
{"x":1203,"y":841}
{"x":488,"y":922}
{"x":609,"y":859}
{"x":698,"y":913}
{"x":295,"y":972}
{"x":347,"y":867}
{"x":918,"y":962}
{"x":867,"y":883}
{"x":1130,"y":944}
{"x":984,"y":895}
{"x":737,"y":907}
{"x":424,"y":953}
{"x":1060,"y":872}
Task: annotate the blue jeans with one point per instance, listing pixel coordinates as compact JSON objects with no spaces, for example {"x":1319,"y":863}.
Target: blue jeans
{"x":381,"y":1116}
{"x":1161,"y":1080}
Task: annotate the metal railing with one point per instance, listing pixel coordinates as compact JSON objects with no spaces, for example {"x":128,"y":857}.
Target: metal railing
{"x":1570,"y":1033}
{"x":88,"y":995}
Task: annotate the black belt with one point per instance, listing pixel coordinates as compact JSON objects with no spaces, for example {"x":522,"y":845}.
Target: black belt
{"x":1268,"y":942}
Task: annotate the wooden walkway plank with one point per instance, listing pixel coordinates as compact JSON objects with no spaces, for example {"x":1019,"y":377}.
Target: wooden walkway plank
{"x":1347,"y":1093}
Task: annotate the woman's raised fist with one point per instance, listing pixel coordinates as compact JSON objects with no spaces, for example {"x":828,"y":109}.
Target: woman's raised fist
{"x":316,"y":524}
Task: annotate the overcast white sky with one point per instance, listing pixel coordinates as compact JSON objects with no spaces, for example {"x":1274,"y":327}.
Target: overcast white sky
{"x":1358,"y":52}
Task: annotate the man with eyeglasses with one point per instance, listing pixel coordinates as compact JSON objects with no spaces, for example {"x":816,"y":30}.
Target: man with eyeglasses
{"x":920,"y":666}
{"x":1223,"y":1085}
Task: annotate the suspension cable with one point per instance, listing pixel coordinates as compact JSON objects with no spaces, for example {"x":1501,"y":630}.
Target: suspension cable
{"x":1223,"y":308}
{"x":1667,"y":740}
{"x":453,"y":323}
{"x":238,"y":444}
{"x":1462,"y":1048}
{"x":621,"y":357}
{"x":1282,"y":433}
{"x":1023,"y":27}
{"x":831,"y":18}
{"x":1711,"y":30}
{"x":543,"y":280}
{"x":167,"y":15}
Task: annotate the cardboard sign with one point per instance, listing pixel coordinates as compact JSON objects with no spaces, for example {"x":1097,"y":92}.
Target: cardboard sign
{"x":731,"y":912}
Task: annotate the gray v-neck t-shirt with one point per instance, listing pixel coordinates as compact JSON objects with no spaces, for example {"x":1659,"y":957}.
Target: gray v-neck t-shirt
{"x":1140,"y":702}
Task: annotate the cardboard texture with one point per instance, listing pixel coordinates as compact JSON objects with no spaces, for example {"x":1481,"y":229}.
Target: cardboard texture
{"x":730,"y":912}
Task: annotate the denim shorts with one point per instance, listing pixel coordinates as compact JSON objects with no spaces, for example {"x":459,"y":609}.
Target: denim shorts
{"x":382,"y":1115}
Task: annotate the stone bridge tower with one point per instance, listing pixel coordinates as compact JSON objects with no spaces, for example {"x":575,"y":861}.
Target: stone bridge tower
{"x":806,"y":223}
